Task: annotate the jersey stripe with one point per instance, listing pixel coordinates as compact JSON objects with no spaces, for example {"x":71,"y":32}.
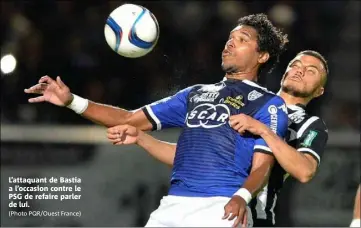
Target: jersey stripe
{"x":306,"y":125}
{"x":308,"y":150}
{"x":153,"y":117}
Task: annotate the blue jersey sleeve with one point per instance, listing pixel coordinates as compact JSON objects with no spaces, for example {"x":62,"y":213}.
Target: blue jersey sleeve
{"x":274,"y":115}
{"x":168,"y":112}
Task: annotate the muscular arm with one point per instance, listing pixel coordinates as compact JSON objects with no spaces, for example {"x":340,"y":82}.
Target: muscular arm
{"x":261,"y":167}
{"x":110,"y":116}
{"x":299,"y":165}
{"x":162,"y":151}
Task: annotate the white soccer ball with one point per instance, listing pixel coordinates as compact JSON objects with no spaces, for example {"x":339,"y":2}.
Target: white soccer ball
{"x":131,"y":30}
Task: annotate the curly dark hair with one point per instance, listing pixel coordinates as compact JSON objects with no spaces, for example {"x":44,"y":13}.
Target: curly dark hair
{"x":270,"y":39}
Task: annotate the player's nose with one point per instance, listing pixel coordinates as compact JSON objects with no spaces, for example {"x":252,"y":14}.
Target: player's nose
{"x":230,"y":44}
{"x":300,"y":72}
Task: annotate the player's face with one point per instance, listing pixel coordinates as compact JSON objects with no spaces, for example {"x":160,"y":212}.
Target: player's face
{"x":240,"y":52}
{"x":304,"y":77}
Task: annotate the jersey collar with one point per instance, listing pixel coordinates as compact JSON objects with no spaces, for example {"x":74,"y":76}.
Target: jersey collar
{"x":297,"y":107}
{"x":248,"y":82}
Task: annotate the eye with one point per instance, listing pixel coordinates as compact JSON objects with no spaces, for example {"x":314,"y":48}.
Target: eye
{"x":311,"y":72}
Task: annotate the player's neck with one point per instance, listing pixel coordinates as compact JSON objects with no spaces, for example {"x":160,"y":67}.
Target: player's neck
{"x":292,"y":100}
{"x":252,"y":76}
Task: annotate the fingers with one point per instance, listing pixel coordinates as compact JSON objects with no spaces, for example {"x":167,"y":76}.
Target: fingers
{"x":237,"y":126}
{"x":37,"y":89}
{"x":227,"y":212}
{"x":117,"y":129}
{"x":245,"y":217}
{"x":116,"y":139}
{"x":237,"y":221}
{"x":117,"y":135}
{"x":230,"y":212}
{"x":238,"y":117}
{"x":60,"y":82}
{"x":37,"y":99}
{"x":240,"y":128}
{"x":113,"y":136}
{"x":240,"y":218}
{"x":46,"y":79}
{"x":130,"y":130}
{"x":234,"y":120}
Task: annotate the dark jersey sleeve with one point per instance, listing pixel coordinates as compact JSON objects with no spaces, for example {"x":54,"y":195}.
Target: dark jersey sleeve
{"x":313,"y":138}
{"x":168,"y":112}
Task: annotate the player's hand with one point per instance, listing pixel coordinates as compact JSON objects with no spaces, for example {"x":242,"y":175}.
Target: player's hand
{"x":236,"y":208}
{"x":123,"y":134}
{"x":243,"y":123}
{"x":52,"y":91}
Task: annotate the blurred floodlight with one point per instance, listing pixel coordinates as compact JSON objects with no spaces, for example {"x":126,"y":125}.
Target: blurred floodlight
{"x":282,"y":14}
{"x":8,"y":64}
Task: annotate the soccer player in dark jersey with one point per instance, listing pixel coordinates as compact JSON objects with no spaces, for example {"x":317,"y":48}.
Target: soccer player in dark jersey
{"x":212,"y":161}
{"x":299,"y":156}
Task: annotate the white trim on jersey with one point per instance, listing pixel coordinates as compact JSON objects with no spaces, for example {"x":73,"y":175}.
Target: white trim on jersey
{"x":262,"y":148}
{"x":248,"y":82}
{"x":310,"y":151}
{"x":306,"y":125}
{"x":295,"y":108}
{"x":262,"y":203}
{"x":154,"y":117}
{"x":272,"y":209}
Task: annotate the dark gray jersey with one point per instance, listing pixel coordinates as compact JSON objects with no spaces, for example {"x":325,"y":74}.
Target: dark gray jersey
{"x":307,"y":134}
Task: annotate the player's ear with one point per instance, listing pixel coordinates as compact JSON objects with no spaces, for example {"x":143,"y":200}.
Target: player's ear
{"x":319,"y":91}
{"x":263,"y":57}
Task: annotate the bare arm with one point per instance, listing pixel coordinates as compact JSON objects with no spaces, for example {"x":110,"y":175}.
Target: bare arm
{"x":261,"y":168}
{"x":162,"y":151}
{"x":57,"y":93}
{"x":127,"y":134}
{"x":299,"y":165}
{"x":110,"y":116}
{"x":236,"y":207}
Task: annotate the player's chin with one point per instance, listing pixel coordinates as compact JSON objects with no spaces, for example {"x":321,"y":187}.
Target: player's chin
{"x":227,"y":67}
{"x":295,"y":90}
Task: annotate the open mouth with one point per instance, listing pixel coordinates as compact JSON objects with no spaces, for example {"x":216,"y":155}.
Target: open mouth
{"x":225,"y":53}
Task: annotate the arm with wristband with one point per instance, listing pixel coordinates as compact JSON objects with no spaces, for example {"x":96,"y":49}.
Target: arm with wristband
{"x":57,"y":93}
{"x":274,"y":117}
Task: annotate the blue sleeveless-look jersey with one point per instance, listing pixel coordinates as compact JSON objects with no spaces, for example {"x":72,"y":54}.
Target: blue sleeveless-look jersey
{"x":211,"y":158}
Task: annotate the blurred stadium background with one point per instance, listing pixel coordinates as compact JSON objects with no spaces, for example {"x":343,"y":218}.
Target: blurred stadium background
{"x":122,"y":185}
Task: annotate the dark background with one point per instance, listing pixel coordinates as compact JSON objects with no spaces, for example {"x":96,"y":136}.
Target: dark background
{"x":66,"y":38}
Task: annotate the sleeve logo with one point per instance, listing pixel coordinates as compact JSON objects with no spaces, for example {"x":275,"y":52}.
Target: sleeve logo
{"x":309,"y":139}
{"x":254,"y":95}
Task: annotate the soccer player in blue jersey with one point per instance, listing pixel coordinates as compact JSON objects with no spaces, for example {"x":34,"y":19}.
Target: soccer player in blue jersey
{"x":299,"y":156}
{"x":213,"y":164}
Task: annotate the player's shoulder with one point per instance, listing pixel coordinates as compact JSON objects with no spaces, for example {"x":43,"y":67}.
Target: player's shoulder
{"x":215,"y":87}
{"x":317,"y":123}
{"x":258,"y":89}
{"x":313,"y":123}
